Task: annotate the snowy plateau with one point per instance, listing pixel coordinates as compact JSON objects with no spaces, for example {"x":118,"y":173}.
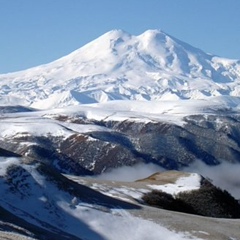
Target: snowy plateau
{"x":128,"y":137}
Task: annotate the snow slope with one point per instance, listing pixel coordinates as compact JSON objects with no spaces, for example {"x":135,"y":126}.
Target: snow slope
{"x":42,"y":202}
{"x":118,"y":66}
{"x":182,"y":182}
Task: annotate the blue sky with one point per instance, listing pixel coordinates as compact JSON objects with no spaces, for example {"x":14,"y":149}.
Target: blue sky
{"x":34,"y":32}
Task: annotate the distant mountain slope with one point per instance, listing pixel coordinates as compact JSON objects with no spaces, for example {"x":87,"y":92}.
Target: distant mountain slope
{"x":116,"y":66}
{"x":92,"y":139}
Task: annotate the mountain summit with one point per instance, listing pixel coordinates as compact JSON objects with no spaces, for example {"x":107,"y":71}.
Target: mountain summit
{"x":117,"y":66}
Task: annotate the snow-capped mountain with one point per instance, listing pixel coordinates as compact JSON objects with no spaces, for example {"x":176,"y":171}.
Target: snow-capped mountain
{"x":117,"y":66}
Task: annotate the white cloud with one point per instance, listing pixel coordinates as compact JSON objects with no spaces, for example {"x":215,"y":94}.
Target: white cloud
{"x":131,"y":173}
{"x":226,"y":175}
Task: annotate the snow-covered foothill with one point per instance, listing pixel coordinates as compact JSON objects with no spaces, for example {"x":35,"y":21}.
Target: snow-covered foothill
{"x":45,"y":123}
{"x":41,"y":124}
{"x":183,"y":184}
{"x":171,"y":182}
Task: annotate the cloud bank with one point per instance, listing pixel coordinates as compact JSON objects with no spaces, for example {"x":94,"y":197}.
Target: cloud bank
{"x":225,"y":176}
{"x":131,"y":173}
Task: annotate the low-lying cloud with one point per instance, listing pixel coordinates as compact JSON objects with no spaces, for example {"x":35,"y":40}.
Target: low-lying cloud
{"x":131,"y":173}
{"x":225,"y":176}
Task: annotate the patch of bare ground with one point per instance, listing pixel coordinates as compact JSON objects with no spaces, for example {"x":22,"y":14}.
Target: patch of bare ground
{"x":164,"y":177}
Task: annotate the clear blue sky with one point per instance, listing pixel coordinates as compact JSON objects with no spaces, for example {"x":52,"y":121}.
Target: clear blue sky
{"x":34,"y":32}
